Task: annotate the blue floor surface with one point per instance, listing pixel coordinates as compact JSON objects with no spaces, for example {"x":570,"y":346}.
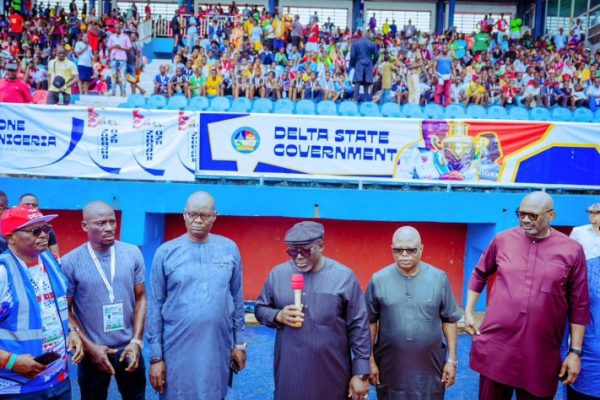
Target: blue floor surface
{"x":255,"y":382}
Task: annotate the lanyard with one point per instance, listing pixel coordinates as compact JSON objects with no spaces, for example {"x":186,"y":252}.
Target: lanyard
{"x":109,"y":286}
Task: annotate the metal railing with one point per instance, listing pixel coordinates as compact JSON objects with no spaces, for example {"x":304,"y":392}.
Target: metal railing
{"x":162,"y":27}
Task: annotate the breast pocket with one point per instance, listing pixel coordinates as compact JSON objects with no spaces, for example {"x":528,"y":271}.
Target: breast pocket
{"x":325,"y":308}
{"x":555,"y":279}
{"x":425,"y":309}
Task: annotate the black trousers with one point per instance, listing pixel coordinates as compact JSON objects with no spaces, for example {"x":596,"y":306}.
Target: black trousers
{"x":94,"y":383}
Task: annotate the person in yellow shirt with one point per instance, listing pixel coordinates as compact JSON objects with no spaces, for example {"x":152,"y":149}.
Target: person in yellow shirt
{"x":582,"y":73}
{"x":214,"y":84}
{"x":474,"y":93}
{"x":62,"y":75}
{"x":386,"y":27}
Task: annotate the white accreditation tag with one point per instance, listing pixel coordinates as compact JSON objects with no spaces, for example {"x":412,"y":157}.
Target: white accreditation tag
{"x":112,"y":315}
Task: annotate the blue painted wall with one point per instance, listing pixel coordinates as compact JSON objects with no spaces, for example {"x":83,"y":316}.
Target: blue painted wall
{"x":144,"y":204}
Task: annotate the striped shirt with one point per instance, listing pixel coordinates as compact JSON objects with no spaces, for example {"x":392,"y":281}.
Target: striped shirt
{"x":90,"y":294}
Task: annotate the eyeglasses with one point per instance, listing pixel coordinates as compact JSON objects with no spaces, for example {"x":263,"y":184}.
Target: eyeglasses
{"x":195,"y":215}
{"x":37,"y":231}
{"x":410,"y":251}
{"x":532,"y":216}
{"x":294,"y":252}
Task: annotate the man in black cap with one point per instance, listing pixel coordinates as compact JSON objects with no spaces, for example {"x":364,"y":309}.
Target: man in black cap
{"x":12,"y":89}
{"x":323,"y":346}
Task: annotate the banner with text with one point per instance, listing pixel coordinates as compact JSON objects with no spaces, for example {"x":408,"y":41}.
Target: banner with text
{"x":400,"y":149}
{"x":98,"y":143}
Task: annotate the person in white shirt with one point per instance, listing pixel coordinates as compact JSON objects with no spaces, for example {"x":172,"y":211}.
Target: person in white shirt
{"x":593,"y":94}
{"x":118,"y":45}
{"x":531,"y":95}
{"x":84,"y":54}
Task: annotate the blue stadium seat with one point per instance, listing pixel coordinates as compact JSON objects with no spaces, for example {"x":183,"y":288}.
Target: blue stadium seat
{"x":125,"y":105}
{"x":241,"y":104}
{"x":219,"y":103}
{"x":583,"y":115}
{"x":156,"y":101}
{"x":539,"y":114}
{"x":455,"y":111}
{"x":391,"y":110}
{"x":305,"y":107}
{"x":369,"y":109}
{"x":262,"y":106}
{"x":413,"y":111}
{"x":284,"y":106}
{"x":475,"y":111}
{"x":518,"y":113}
{"x":562,"y":114}
{"x":326,"y":107}
{"x":198,"y":103}
{"x":348,"y":108}
{"x":497,"y":112}
{"x":434,"y":111}
{"x":136,"y":100}
{"x":177,"y":102}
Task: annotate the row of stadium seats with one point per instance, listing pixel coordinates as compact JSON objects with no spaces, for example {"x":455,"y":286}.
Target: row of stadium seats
{"x":366,"y":109}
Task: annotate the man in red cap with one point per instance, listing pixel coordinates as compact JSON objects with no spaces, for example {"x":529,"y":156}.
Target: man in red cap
{"x":35,"y":334}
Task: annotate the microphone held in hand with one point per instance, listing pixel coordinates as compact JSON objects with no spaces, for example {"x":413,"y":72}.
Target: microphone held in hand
{"x":297,"y":287}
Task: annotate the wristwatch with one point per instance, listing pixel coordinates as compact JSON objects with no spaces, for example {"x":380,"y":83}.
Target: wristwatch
{"x":363,"y":377}
{"x":452,"y":362}
{"x":139,"y":342}
{"x":155,"y":360}
{"x":73,"y":329}
{"x":243,"y":346}
{"x":579,"y":352}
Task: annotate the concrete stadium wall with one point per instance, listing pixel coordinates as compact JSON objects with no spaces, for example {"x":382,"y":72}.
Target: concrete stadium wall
{"x":456,"y":226}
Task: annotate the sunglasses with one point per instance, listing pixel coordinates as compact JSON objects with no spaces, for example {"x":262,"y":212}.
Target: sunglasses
{"x":37,"y":231}
{"x":294,"y":252}
{"x":532,"y":216}
{"x":410,"y":251}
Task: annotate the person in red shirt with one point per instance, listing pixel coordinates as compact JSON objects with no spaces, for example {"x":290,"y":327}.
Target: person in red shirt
{"x":16,"y":24}
{"x":12,"y":89}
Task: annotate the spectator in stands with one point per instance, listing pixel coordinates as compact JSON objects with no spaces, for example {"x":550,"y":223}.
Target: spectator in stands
{"x":62,"y":75}
{"x":363,"y":55}
{"x":443,"y":69}
{"x":178,"y":84}
{"x":84,"y":55}
{"x":161,"y":81}
{"x":13,"y":89}
{"x":214,"y":84}
{"x":134,"y":63}
{"x":118,"y":45}
{"x":593,"y":94}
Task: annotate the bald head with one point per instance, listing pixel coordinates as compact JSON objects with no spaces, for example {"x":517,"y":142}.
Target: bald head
{"x":199,"y":216}
{"x":100,"y":224}
{"x":541,"y":200}
{"x":407,"y":233}
{"x":95,"y":208}
{"x":407,"y":250}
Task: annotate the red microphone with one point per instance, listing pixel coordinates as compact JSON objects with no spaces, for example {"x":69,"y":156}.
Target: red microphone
{"x":297,"y":287}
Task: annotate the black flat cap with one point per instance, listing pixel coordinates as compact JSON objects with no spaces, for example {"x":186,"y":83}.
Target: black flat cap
{"x":304,"y":232}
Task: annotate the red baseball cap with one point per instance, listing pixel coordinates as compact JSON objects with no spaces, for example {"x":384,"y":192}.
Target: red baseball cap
{"x":19,"y":217}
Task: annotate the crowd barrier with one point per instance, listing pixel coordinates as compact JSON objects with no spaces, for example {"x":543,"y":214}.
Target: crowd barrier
{"x":166,"y":145}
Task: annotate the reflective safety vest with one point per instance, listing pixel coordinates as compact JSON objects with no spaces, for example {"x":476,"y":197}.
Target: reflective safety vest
{"x":21,"y":331}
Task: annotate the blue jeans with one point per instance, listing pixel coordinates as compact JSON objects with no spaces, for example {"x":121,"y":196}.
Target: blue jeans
{"x":62,"y":391}
{"x":119,"y":66}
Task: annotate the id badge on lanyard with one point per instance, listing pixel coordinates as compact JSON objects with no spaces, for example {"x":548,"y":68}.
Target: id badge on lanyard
{"x":112,"y":313}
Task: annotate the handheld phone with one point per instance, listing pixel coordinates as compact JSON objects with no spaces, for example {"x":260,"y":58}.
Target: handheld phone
{"x":234,"y":366}
{"x":47,"y":358}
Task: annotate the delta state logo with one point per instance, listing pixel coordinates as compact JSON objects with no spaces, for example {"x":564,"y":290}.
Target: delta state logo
{"x":245,"y":140}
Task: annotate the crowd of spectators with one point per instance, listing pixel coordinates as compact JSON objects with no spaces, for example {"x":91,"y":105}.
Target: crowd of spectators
{"x":252,"y":53}
{"x":60,"y":50}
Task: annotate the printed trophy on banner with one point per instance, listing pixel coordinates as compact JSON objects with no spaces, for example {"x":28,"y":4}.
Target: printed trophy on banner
{"x":460,"y":153}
